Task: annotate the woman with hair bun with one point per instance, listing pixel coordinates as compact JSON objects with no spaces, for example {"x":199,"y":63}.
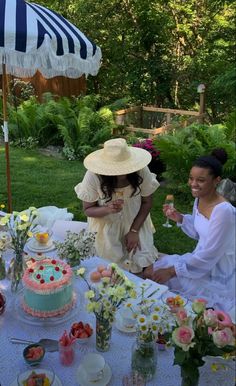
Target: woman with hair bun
{"x":209,"y":270}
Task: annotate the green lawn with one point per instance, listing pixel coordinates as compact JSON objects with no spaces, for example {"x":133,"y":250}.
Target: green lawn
{"x":38,"y":180}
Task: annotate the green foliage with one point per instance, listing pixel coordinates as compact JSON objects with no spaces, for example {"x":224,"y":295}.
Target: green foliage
{"x":79,"y":124}
{"x":40,"y":180}
{"x":180,"y":149}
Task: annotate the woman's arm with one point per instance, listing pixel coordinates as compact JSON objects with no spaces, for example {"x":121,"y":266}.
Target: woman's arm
{"x":92,"y":209}
{"x":219,"y":236}
{"x":132,"y":237}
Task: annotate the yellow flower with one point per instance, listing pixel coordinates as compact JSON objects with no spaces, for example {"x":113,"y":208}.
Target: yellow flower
{"x":91,"y":307}
{"x":4,"y":220}
{"x":80,"y":271}
{"x":132,"y":294}
{"x":24,"y":217}
{"x":2,"y":206}
{"x":89,"y":294}
{"x":214,"y":367}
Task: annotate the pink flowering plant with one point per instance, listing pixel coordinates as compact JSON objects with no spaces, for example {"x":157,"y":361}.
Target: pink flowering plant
{"x":147,"y":144}
{"x":204,"y":332}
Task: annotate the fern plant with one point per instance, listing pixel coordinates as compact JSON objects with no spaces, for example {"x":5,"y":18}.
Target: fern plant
{"x":180,"y":149}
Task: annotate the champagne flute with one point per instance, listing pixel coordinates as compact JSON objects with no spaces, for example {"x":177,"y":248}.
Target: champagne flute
{"x":170,"y":202}
{"x":119,"y":195}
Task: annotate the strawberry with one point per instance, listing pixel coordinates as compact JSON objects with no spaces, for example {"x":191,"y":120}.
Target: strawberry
{"x":83,"y":335}
{"x":88,"y":329}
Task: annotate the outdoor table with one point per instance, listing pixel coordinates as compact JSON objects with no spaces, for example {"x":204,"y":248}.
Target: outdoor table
{"x":118,"y":357}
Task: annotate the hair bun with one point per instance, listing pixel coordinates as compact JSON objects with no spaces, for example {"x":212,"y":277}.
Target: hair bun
{"x":220,"y":154}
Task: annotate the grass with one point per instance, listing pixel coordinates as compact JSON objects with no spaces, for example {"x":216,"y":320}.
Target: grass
{"x":38,"y":180}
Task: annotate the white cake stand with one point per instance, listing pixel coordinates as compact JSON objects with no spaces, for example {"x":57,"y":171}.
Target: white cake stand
{"x":24,"y":317}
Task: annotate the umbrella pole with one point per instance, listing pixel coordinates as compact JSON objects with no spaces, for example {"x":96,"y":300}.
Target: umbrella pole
{"x":5,"y":131}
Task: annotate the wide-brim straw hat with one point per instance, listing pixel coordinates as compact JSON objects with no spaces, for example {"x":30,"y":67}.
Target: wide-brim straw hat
{"x":117,"y":158}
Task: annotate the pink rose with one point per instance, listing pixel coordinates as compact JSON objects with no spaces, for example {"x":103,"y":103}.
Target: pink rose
{"x":210,"y":318}
{"x":182,"y":316}
{"x":223,"y":319}
{"x":223,"y":337}
{"x":183,"y":336}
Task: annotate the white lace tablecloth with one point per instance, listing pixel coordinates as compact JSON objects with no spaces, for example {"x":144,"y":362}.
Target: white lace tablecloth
{"x":118,"y":357}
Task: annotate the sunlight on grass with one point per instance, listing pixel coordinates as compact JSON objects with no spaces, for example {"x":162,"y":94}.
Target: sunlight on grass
{"x":2,"y":149}
{"x":30,"y":159}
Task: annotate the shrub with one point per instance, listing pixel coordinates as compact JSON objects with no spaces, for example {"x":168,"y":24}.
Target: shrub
{"x":179,"y":150}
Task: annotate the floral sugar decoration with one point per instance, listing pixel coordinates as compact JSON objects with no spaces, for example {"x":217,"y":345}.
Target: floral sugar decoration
{"x":77,"y":247}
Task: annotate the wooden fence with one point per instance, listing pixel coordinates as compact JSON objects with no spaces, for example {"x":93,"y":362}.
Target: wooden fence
{"x":167,"y":123}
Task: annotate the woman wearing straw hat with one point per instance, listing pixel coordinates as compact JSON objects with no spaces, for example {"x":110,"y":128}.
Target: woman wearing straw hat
{"x":117,"y":197}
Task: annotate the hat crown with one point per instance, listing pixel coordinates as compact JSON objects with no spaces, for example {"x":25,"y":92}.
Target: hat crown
{"x":116,"y":150}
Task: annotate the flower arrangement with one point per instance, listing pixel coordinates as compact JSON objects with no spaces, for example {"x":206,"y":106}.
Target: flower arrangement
{"x":105,"y":299}
{"x":147,"y":144}
{"x":20,"y":227}
{"x":148,"y":325}
{"x":77,"y":247}
{"x":107,"y":296}
{"x":208,"y":332}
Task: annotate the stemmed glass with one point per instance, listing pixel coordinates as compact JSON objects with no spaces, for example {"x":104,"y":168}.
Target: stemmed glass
{"x":119,"y":195}
{"x":170,"y":202}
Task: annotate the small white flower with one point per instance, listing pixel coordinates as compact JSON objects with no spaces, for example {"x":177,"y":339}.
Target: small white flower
{"x":142,"y":319}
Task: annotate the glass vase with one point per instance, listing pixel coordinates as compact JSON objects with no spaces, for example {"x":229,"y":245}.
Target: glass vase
{"x":144,"y":358}
{"x":16,"y":270}
{"x":189,"y":378}
{"x":103,"y":334}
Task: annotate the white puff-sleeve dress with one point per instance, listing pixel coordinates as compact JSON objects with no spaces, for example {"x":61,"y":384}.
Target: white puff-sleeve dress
{"x":112,"y":228}
{"x":208,"y":271}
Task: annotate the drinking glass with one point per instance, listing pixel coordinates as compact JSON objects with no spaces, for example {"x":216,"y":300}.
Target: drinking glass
{"x":170,"y":202}
{"x":119,"y":195}
{"x":133,"y":379}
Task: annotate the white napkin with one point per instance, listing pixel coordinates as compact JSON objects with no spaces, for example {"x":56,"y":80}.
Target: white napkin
{"x":47,"y":215}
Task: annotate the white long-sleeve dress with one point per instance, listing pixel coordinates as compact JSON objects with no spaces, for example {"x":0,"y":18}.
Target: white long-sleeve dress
{"x":111,"y":229}
{"x":209,"y":271}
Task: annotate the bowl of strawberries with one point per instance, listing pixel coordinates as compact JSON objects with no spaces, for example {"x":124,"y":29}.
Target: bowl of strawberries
{"x":33,"y":354}
{"x":81,"y":331}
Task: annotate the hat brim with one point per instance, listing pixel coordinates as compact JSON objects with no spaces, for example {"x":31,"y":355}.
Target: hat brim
{"x":138,"y":160}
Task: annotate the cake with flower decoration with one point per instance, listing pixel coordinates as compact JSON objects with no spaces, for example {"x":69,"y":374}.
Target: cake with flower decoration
{"x":48,"y":288}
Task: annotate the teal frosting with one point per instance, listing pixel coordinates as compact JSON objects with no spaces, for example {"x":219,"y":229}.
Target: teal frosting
{"x":48,"y":302}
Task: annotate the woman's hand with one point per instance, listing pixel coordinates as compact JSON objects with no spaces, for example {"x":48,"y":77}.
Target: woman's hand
{"x":172,"y":213}
{"x":163,"y":275}
{"x":132,"y":241}
{"x":115,"y":206}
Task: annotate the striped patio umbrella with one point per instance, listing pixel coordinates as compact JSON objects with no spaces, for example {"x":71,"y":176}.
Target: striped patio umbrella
{"x":33,"y":38}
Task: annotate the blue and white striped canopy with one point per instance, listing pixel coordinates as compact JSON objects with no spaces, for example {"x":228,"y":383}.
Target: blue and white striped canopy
{"x":34,"y":38}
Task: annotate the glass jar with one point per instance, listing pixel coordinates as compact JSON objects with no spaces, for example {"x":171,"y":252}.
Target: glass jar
{"x":144,"y":358}
{"x":103,"y":334}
